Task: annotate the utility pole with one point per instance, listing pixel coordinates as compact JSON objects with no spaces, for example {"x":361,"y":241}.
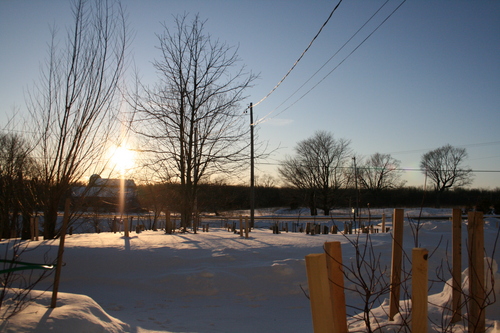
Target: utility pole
{"x":195,"y":178}
{"x":356,"y":212}
{"x":252,"y":175}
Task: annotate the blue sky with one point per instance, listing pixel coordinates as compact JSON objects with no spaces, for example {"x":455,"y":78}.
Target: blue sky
{"x":429,"y":76}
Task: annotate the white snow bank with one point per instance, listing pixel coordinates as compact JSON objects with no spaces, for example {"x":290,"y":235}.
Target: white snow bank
{"x":210,"y":282}
{"x":74,"y":313}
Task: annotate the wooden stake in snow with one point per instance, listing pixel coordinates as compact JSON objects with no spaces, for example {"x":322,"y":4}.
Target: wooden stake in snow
{"x":419,"y":290}
{"x":246,"y":227}
{"x":168,"y":223}
{"x":336,"y":279}
{"x":241,"y":226}
{"x":476,"y":273}
{"x":456,"y":260}
{"x":60,"y":253}
{"x":319,"y":293}
{"x":125,"y":226}
{"x":397,"y":258}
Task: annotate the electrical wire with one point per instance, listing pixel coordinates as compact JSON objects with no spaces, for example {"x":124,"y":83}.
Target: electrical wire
{"x":301,"y":56}
{"x":340,"y":63}
{"x":392,"y":169}
{"x":480,"y":144}
{"x":326,"y":63}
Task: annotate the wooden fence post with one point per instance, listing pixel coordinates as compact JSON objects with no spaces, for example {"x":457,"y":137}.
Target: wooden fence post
{"x":336,"y":278}
{"x":241,"y":226}
{"x":32,"y":228}
{"x":125,"y":227}
{"x":319,"y":293}
{"x":475,"y":228}
{"x":419,"y":290}
{"x":246,"y":227}
{"x":383,"y":222}
{"x":456,"y":282}
{"x":168,"y":223}
{"x":397,"y":258}
{"x":60,"y":253}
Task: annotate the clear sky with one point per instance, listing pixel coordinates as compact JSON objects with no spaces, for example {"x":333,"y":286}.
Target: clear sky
{"x":429,"y":76}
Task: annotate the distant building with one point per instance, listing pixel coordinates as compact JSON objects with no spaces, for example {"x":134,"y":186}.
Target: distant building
{"x":103,"y":195}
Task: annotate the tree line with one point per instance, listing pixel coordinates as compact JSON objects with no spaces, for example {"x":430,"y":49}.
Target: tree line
{"x":323,"y":166}
{"x":219,"y":199}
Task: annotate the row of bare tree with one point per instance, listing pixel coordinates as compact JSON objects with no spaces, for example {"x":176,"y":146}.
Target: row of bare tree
{"x":322,"y":165}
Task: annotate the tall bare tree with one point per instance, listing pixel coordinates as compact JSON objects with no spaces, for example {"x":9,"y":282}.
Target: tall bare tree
{"x":74,"y":105}
{"x":318,"y":168}
{"x":191,"y":118}
{"x":380,"y":172}
{"x":444,"y":166}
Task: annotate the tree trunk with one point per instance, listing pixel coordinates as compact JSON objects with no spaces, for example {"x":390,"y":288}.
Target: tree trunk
{"x":438,"y":199}
{"x":50,"y":221}
{"x":312,"y":204}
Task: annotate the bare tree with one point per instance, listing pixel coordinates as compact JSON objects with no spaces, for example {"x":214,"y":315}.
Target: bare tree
{"x":265,"y":180}
{"x":191,"y":119}
{"x":380,"y":172}
{"x":16,"y":186}
{"x":74,"y":105}
{"x":17,"y":204}
{"x":444,"y":166}
{"x":153,"y":199}
{"x":318,"y":168}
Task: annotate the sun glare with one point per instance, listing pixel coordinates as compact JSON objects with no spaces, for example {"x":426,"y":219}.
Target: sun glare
{"x":122,"y":158}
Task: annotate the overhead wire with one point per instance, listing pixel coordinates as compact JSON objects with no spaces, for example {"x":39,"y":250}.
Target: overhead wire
{"x":301,"y":56}
{"x":337,"y":66}
{"x":322,"y":66}
{"x":392,"y":169}
{"x":479,"y":144}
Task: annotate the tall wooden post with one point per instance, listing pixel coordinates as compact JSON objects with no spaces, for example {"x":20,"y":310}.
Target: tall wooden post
{"x":246,"y":227}
{"x":60,"y":253}
{"x":397,"y":259}
{"x":168,"y":223}
{"x":336,"y":278}
{"x":419,"y":290}
{"x":456,"y":282}
{"x":36,"y":228}
{"x":319,"y":293}
{"x":383,"y":222}
{"x":476,"y":273}
{"x":126,"y":227}
{"x":32,"y":228}
{"x":241,"y":226}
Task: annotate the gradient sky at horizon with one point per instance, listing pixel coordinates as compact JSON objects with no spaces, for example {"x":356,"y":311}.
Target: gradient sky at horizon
{"x":429,"y":76}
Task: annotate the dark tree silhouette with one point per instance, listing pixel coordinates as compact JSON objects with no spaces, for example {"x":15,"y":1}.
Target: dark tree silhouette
{"x":318,"y":168}
{"x":191,"y":120}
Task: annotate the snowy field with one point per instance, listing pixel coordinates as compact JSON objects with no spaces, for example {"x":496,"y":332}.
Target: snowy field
{"x":217,"y":281}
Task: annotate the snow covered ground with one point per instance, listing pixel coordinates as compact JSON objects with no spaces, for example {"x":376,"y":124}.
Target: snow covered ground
{"x":215,"y":281}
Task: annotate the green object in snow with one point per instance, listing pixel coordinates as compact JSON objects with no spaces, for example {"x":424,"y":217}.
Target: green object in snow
{"x":20,"y":266}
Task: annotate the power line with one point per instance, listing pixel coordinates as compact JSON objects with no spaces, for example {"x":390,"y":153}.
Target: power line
{"x":392,"y":169}
{"x":328,"y":61}
{"x":480,"y":144}
{"x":301,"y":56}
{"x":341,"y":62}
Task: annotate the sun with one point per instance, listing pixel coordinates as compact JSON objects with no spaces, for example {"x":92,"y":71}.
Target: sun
{"x":122,"y":158}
